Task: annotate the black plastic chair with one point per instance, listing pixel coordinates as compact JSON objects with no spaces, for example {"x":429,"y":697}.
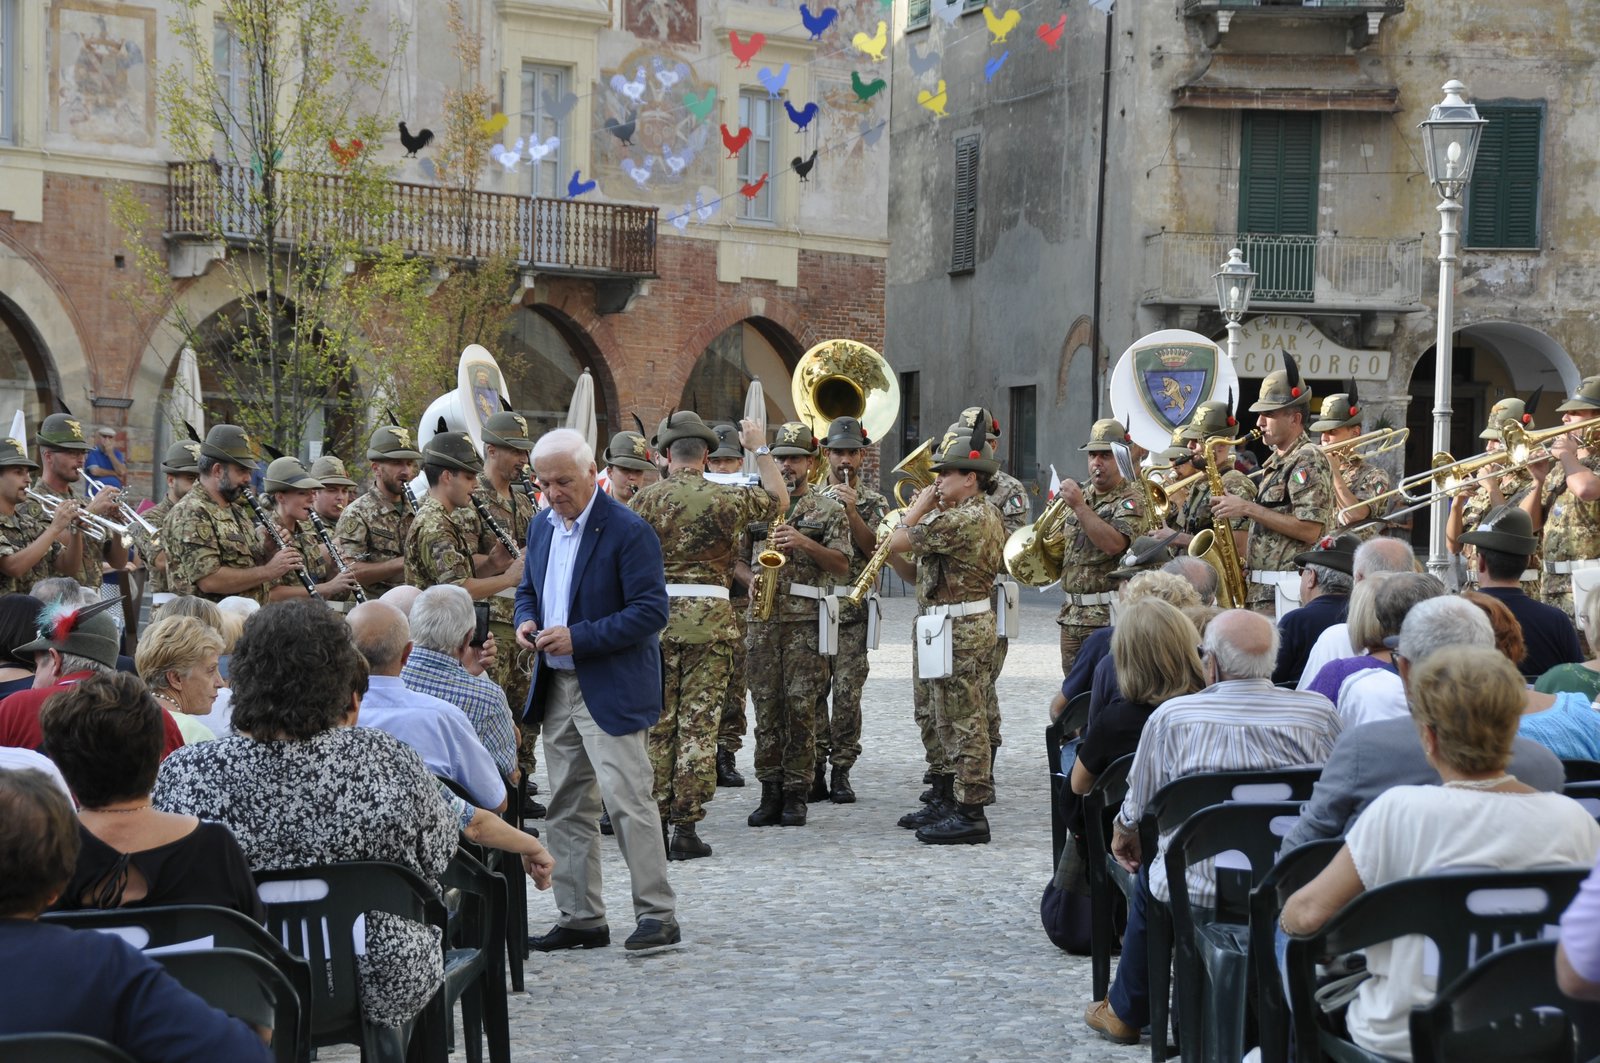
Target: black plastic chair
{"x":1467,"y":915}
{"x":1212,"y":960}
{"x":516,"y":934}
{"x":1581,"y":770}
{"x":1106,"y":877}
{"x":1072,"y":720}
{"x":168,"y":925}
{"x":245,"y":986}
{"x":59,"y":1048}
{"x":474,"y":959}
{"x":1294,"y":869}
{"x":1586,"y":794}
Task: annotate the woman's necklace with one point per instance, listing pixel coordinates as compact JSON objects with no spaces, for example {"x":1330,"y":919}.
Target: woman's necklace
{"x":169,"y":699}
{"x":118,"y":811}
{"x":1479,"y":784}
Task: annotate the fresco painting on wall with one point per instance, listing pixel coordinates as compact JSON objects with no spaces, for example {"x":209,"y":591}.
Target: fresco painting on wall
{"x":102,"y":84}
{"x":657,"y":144}
{"x":668,"y":21}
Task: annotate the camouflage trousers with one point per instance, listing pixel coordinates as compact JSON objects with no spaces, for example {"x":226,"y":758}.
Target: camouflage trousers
{"x":787,"y":676}
{"x":992,"y":706}
{"x":734,"y":722}
{"x":953,"y":713}
{"x":1072,"y":636}
{"x":683,"y":743}
{"x":839,"y":725}
{"x":509,"y":676}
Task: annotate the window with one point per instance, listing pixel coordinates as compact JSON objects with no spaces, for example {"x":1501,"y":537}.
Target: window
{"x":917,"y":13}
{"x":964,"y":232}
{"x":1503,"y":199}
{"x":1022,"y":456}
{"x":543,"y":86}
{"x":1278,"y":164}
{"x":8,"y":71}
{"x":910,"y":413}
{"x":755,"y":159}
{"x":228,"y":66}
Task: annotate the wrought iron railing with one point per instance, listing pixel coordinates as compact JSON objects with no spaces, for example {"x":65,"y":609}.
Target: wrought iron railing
{"x":1311,"y":7}
{"x":1355,"y":272}
{"x":208,"y":200}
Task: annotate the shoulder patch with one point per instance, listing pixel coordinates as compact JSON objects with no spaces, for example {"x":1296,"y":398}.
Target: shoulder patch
{"x":1301,"y":476}
{"x":1130,"y":505}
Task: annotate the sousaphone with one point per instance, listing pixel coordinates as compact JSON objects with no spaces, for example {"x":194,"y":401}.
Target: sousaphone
{"x":844,"y":378}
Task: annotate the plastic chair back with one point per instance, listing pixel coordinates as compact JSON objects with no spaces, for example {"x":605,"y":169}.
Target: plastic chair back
{"x":1104,"y":873}
{"x":1586,"y":794}
{"x":1072,"y":720}
{"x":59,"y":1048}
{"x":245,"y":986}
{"x":1294,"y":869}
{"x":1581,"y":770}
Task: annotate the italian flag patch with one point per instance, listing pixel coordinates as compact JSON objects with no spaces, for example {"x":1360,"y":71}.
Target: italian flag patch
{"x":1300,"y":477}
{"x":1128,"y":504}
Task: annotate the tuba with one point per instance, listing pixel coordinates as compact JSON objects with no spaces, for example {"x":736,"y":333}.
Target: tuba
{"x":764,"y":587}
{"x":843,"y":378}
{"x":1214,"y":545}
{"x":1034,"y":552}
{"x":916,"y":472}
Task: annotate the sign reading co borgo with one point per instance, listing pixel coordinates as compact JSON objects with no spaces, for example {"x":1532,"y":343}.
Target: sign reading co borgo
{"x":1263,"y":337}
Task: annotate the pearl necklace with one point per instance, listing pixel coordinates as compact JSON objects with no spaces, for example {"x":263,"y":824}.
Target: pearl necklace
{"x":118,"y":811}
{"x":169,"y":700}
{"x":1479,"y":784}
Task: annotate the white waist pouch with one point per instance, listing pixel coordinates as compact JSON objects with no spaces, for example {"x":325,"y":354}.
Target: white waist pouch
{"x":874,"y":613}
{"x":934,"y":660}
{"x":1006,"y":622}
{"x":1584,"y":582}
{"x":828,"y":625}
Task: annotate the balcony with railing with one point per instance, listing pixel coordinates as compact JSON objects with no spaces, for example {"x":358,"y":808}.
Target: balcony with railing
{"x":208,"y":200}
{"x":1368,"y":14}
{"x":1334,"y":274}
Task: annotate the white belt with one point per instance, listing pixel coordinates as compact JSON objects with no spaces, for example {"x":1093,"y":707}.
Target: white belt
{"x":696,"y":590}
{"x":1103,"y":598}
{"x":960,"y":609}
{"x":1001,"y":578}
{"x":1561,"y":568}
{"x":1274,"y":579}
{"x":161,"y":597}
{"x":805,"y":590}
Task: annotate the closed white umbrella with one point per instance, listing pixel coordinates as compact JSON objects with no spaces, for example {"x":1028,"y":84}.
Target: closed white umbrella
{"x":580,"y":411}
{"x":19,"y":430}
{"x":183,"y":405}
{"x":755,"y":409}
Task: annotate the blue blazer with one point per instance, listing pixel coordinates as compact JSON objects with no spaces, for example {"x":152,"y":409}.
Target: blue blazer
{"x":617,"y":611}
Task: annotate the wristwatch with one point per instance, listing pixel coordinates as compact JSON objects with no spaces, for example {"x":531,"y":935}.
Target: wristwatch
{"x":763,"y":449}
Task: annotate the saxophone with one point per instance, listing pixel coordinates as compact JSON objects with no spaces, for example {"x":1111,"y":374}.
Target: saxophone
{"x":1214,"y":545}
{"x":764,"y":587}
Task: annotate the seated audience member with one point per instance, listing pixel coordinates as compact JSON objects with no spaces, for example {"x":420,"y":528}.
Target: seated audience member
{"x":19,"y":623}
{"x":178,"y":661}
{"x":1147,"y":553}
{"x":1567,"y":724}
{"x":1580,"y":678}
{"x":299,"y":785}
{"x":1201,"y":576}
{"x":105,"y":736}
{"x":202,"y":609}
{"x":63,"y":590}
{"x":1201,"y":616}
{"x":1507,"y":632}
{"x":1382,"y":554}
{"x":1466,"y":705}
{"x":1505,"y":542}
{"x":1366,"y":638}
{"x":56,"y":980}
{"x":1578,"y":954}
{"x":232,"y":611}
{"x":72,"y":645}
{"x":14,"y":759}
{"x":1373,"y":758}
{"x":1378,"y":693}
{"x":1325,"y":585}
{"x":402,"y":598}
{"x":436,"y":729}
{"x":1170,"y":588}
{"x":1241,"y":722}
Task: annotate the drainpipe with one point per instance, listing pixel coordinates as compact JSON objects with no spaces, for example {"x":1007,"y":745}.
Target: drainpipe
{"x":1100,"y":224}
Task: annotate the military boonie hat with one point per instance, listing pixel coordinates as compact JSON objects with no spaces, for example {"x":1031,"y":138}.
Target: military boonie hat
{"x":392,"y":443}
{"x":1338,"y":554}
{"x":1103,"y":433}
{"x":1283,"y":388}
{"x":846,"y":433}
{"x":966,"y":448}
{"x":1176,"y":452}
{"x":1211,"y":419}
{"x":62,"y":431}
{"x":1338,"y":411}
{"x":684,"y":424}
{"x":11,"y":453}
{"x":182,"y":458}
{"x":1587,"y":398}
{"x":794,"y":440}
{"x":1504,"y":412}
{"x":1505,"y":528}
{"x":330,"y":470}
{"x":452,"y":450}
{"x":628,"y":450}
{"x":1143,"y":554}
{"x":728,"y":445}
{"x":970,"y":415}
{"x":507,"y":429}
{"x":287,"y":474}
{"x":229,"y":443}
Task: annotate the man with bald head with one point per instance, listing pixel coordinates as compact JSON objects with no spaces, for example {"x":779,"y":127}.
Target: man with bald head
{"x":1241,"y":722}
{"x":1382,"y":554}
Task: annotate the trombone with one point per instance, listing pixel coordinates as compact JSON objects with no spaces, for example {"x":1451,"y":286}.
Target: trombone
{"x":1381,"y":440}
{"x":93,"y":525}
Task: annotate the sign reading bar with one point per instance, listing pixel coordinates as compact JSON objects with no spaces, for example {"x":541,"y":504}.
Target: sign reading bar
{"x":1318,"y":357}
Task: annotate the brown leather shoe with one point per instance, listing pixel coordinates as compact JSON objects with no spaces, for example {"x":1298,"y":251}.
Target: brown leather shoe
{"x":1104,"y":1021}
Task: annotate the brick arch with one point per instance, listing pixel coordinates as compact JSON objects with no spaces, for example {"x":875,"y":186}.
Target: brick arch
{"x":579,"y":329}
{"x":40,"y":304}
{"x":1081,"y":334}
{"x":781,"y":323}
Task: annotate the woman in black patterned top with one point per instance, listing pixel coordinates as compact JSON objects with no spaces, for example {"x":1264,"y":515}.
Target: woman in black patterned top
{"x":300,"y":785}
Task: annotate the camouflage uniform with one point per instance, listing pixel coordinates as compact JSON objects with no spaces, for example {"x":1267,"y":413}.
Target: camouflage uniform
{"x":787,"y":674}
{"x":203,"y":536}
{"x":17,"y":532}
{"x":1300,"y":482}
{"x":318,"y":563}
{"x":1571,"y":533}
{"x":89,"y":574}
{"x":1513,"y":485}
{"x":1366,"y":480}
{"x":1008,"y":496}
{"x":157,"y":582}
{"x":513,"y":514}
{"x":440,"y":545}
{"x":1196,"y":512}
{"x":733,"y":721}
{"x":1086,"y":569}
{"x":839,"y":717}
{"x":698,"y":523}
{"x":372,"y":530}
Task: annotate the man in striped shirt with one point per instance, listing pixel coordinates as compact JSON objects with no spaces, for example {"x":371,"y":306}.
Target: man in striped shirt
{"x":1241,"y":722}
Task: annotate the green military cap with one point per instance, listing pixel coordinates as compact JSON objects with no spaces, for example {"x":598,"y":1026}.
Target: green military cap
{"x":965,"y":448}
{"x":1144,"y":554}
{"x":628,"y":450}
{"x":846,"y":433}
{"x":182,"y":457}
{"x":1283,"y":388}
{"x":230,"y":443}
{"x":330,"y":470}
{"x":453,"y":450}
{"x":1176,"y":452}
{"x":1504,"y":412}
{"x":1338,"y":411}
{"x":970,"y":415}
{"x":1587,"y":398}
{"x":61,"y":431}
{"x":1210,"y":419}
{"x":1505,"y":528}
{"x":1103,"y":433}
{"x":392,"y":443}
{"x":86,"y":631}
{"x":728,"y":445}
{"x":507,"y":429}
{"x":11,"y":453}
{"x":684,"y":424}
{"x":287,"y":474}
{"x":794,"y":440}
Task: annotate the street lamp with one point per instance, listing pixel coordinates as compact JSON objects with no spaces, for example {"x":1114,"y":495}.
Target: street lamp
{"x":1450,"y":137}
{"x":1236,"y":282}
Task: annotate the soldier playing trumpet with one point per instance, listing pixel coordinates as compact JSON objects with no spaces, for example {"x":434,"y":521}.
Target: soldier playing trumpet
{"x":1492,"y":488}
{"x":1565,"y":502}
{"x":1354,"y":479}
{"x":1106,"y":513}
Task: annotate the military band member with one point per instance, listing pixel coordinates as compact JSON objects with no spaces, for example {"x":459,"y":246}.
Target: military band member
{"x":214,"y":548}
{"x":446,"y":540}
{"x":1565,"y":502}
{"x":181,"y":468}
{"x":372,"y":530}
{"x":1294,"y":503}
{"x":1105,"y":512}
{"x":1176,"y":463}
{"x":628,"y":461}
{"x":957,"y":541}
{"x":786,"y":670}
{"x":839,"y":723}
{"x":337,"y":490}
{"x":699,"y":524}
{"x":289,"y":490}
{"x":728,"y":459}
{"x":1212,"y":420}
{"x":1355,"y":479}
{"x":62,"y":450}
{"x":1490,"y":488}
{"x":31,"y":548}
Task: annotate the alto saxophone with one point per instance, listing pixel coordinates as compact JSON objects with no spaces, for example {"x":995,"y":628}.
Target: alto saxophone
{"x":1214,"y":545}
{"x":764,"y":586}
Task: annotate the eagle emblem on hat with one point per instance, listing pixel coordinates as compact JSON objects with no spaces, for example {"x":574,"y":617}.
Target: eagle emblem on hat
{"x":75,"y":428}
{"x":14,"y":442}
{"x":244,"y":440}
{"x":522,"y":423}
{"x":402,"y":436}
{"x":640,"y":448}
{"x":193,"y":449}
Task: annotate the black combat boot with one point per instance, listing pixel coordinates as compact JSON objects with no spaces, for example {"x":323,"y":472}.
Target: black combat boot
{"x":727,"y":774}
{"x":840,"y":792}
{"x":819,"y":781}
{"x":937,"y":807}
{"x":686,"y":844}
{"x":965,"y":825}
{"x":794,"y":807}
{"x":770,"y":810}
{"x":605,"y":822}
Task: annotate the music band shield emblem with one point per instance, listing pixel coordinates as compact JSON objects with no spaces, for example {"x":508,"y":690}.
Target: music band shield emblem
{"x":1173,"y":378}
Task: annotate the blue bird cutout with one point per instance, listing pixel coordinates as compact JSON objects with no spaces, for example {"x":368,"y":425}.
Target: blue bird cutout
{"x":577,"y":187}
{"x":818,"y":24}
{"x":773,"y":81}
{"x":992,"y":67}
{"x":803,"y":116}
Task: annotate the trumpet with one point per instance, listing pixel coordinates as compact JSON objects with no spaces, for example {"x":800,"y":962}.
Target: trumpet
{"x":92,"y":525}
{"x":764,"y":587}
{"x":130,"y":516}
{"x":1519,"y":442}
{"x":1387,"y":439}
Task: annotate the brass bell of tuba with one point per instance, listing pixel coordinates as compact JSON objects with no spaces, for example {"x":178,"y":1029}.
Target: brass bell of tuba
{"x":1034,"y":552}
{"x":844,"y":378}
{"x":916,"y":472}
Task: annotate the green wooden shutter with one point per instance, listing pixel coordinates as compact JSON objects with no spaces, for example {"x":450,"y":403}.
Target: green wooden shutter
{"x":964,"y":231}
{"x":1279,"y":155}
{"x":1503,"y":199}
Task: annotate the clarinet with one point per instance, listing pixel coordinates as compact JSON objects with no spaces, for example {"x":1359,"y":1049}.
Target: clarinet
{"x":494,"y":526}
{"x":333,"y":552}
{"x":260,"y":517}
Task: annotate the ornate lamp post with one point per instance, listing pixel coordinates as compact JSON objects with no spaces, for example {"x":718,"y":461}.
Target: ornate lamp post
{"x":1236,"y":282}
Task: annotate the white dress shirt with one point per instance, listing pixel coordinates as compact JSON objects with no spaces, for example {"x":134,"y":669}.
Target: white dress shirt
{"x":556,"y":593}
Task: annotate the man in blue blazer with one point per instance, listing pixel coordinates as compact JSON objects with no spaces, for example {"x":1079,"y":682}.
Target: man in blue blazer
{"x":592,"y":603}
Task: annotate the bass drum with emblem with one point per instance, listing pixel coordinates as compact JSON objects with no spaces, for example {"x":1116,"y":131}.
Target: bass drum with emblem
{"x":1162,"y":378}
{"x":480,"y":392}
